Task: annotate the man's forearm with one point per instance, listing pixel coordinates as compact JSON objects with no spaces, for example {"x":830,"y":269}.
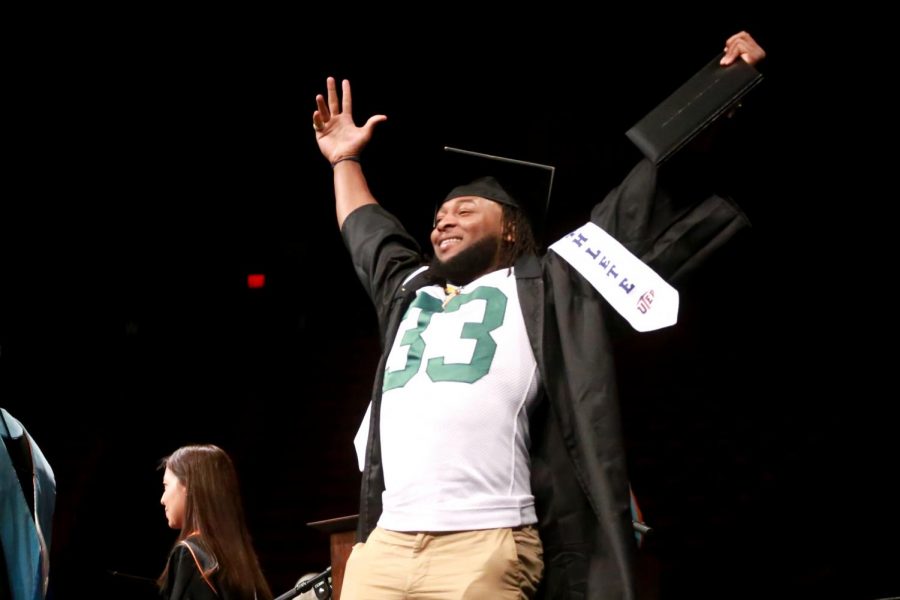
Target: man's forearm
{"x":350,"y":189}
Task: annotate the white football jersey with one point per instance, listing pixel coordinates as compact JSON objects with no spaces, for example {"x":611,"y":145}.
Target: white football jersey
{"x":459,"y":382}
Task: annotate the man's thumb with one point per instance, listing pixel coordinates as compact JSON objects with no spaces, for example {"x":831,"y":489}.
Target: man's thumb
{"x":374,"y":120}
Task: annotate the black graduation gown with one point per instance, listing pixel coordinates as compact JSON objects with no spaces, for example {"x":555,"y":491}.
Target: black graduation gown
{"x":185,"y":580}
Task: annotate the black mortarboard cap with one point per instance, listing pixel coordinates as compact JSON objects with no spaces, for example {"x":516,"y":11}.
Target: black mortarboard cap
{"x":519,"y":183}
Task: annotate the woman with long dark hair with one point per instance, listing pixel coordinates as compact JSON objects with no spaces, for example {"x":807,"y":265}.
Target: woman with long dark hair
{"x":213,"y":557}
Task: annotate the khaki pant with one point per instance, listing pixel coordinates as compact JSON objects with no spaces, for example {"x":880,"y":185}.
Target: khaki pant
{"x":461,"y":565}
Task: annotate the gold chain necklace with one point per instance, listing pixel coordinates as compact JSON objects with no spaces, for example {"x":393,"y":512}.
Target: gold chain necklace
{"x":451,"y":291}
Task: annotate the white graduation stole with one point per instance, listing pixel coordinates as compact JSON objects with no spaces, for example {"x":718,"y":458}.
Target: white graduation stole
{"x":637,"y":293}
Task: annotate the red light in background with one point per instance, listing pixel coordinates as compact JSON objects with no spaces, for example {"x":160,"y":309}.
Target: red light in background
{"x":256,"y":281}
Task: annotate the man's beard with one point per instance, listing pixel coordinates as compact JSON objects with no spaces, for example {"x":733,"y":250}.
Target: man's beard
{"x":477,"y":259}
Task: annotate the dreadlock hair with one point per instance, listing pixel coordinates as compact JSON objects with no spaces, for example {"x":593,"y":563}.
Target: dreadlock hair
{"x":516,"y":224}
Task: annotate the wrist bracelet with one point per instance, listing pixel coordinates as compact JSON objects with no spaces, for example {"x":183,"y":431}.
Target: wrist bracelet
{"x":354,"y":158}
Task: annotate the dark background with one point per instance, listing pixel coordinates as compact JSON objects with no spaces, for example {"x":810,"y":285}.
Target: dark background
{"x":153,"y":167}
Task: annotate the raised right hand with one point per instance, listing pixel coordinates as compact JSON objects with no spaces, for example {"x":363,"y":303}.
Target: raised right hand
{"x":336,"y":133}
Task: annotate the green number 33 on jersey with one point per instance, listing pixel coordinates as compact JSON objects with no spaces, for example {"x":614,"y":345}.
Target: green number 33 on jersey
{"x":437,"y":369}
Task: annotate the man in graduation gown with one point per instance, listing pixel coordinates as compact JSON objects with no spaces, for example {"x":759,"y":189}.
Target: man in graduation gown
{"x":440,"y":480}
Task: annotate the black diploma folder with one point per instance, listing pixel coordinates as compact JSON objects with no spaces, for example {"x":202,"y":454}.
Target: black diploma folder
{"x":692,"y":108}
